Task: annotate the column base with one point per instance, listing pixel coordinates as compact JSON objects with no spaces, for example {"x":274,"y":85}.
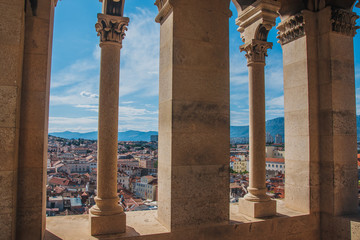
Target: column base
{"x":257,"y":209}
{"x":108,"y":224}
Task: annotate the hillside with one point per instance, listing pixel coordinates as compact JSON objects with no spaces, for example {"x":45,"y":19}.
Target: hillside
{"x":274,"y":126}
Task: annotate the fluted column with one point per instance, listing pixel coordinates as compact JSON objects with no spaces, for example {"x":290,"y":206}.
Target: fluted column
{"x":107,"y":216}
{"x":255,"y":22}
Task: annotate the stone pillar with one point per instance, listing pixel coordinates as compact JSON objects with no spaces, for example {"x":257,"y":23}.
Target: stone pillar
{"x":33,"y":139}
{"x":255,"y":22}
{"x":12,"y":24}
{"x":297,"y":35}
{"x":257,"y":203}
{"x":194,"y":113}
{"x":337,"y":115}
{"x":107,"y":216}
{"x":320,"y":115}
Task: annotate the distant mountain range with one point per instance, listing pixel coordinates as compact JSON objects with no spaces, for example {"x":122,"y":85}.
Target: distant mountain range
{"x":122,"y":136}
{"x":274,"y":126}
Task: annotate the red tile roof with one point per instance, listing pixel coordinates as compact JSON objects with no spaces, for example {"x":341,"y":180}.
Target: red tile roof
{"x":275,"y":160}
{"x":59,"y":181}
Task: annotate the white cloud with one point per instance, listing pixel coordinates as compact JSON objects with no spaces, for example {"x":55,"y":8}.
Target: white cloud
{"x":124,"y":111}
{"x":273,"y":113}
{"x":97,"y":52}
{"x":140,"y":55}
{"x":131,"y":117}
{"x":274,"y":79}
{"x":131,"y":111}
{"x":277,"y":102}
{"x":239,"y":118}
{"x":73,"y":100}
{"x":92,"y":108}
{"x":238,"y":68}
{"x":82,"y":124}
{"x":78,"y":72}
{"x":89,"y":94}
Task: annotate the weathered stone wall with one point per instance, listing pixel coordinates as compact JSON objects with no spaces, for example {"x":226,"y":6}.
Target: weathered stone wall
{"x":11,"y":62}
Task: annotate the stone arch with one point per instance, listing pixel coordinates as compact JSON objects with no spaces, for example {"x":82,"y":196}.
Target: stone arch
{"x":262,"y":32}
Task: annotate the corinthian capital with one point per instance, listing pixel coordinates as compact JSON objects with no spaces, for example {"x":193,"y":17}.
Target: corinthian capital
{"x":256,"y":51}
{"x":291,"y":29}
{"x":111,"y":29}
{"x":344,"y":22}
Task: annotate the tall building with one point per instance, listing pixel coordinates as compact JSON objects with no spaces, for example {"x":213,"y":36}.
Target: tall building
{"x":278,"y":139}
{"x":269,"y":138}
{"x":154,"y":138}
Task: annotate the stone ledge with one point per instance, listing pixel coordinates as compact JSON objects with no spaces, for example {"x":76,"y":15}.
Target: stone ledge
{"x":77,"y":226}
{"x":143,"y":225}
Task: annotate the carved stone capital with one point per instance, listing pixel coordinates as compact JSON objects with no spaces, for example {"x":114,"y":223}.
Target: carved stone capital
{"x":344,"y":22}
{"x":291,"y":29}
{"x":261,"y":14}
{"x":256,"y":51}
{"x":165,"y":8}
{"x":111,"y":29}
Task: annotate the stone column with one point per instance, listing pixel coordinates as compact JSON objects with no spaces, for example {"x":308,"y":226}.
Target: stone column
{"x":107,"y":216}
{"x":255,"y":22}
{"x":320,"y":115}
{"x":256,"y":52}
{"x":256,"y":203}
{"x":337,"y":118}
{"x":194,"y":113}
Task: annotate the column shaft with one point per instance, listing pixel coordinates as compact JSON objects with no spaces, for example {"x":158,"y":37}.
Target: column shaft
{"x":257,"y":128}
{"x":108,"y":121}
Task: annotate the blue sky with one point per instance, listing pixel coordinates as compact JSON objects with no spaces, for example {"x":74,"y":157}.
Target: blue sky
{"x":76,"y":61}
